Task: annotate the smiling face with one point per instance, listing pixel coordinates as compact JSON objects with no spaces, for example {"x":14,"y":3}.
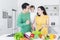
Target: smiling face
{"x":32,"y":9}
{"x":27,"y":9}
{"x":39,"y":11}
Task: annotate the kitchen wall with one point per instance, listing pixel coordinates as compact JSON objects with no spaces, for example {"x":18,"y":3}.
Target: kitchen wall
{"x":38,"y":2}
{"x":6,"y":5}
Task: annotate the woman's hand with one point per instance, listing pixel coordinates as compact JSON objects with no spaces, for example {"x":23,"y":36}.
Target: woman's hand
{"x":42,"y":27}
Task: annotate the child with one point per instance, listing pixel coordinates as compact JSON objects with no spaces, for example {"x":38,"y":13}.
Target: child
{"x":32,"y":15}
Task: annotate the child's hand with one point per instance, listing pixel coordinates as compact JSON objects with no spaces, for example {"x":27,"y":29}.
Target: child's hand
{"x":32,"y":27}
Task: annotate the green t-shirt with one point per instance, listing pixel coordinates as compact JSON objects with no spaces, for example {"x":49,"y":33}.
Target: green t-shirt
{"x":21,"y":22}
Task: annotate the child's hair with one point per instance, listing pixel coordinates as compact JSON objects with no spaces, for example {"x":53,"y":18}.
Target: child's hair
{"x":32,"y":6}
{"x":44,"y":11}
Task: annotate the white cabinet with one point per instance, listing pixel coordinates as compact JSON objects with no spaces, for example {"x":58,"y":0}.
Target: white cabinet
{"x":53,"y":12}
{"x":6,"y":22}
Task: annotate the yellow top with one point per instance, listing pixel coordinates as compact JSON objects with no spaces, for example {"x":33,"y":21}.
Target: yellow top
{"x":40,"y":20}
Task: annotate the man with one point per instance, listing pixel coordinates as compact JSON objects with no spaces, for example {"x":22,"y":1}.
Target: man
{"x":23,"y":20}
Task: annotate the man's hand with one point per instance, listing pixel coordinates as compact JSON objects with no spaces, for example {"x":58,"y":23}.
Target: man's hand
{"x":27,"y":22}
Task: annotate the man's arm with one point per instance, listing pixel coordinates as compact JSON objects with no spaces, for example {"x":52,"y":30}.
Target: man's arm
{"x":19,"y":21}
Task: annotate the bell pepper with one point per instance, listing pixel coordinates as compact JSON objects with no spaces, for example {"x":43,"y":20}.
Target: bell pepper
{"x":36,"y":33}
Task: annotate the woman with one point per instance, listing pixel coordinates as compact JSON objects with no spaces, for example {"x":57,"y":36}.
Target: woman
{"x":42,"y":20}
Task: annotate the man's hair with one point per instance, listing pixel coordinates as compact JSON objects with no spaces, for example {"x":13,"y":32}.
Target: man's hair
{"x":32,"y":6}
{"x":24,"y":5}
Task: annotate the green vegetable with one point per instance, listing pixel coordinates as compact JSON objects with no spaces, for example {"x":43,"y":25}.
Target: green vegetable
{"x":47,"y":37}
{"x":18,"y":35}
{"x":36,"y":32}
{"x":36,"y":36}
{"x":31,"y":38}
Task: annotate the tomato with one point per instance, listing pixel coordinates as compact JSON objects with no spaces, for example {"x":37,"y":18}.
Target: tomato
{"x":32,"y":35}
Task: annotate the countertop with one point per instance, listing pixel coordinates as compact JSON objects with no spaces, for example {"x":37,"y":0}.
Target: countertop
{"x":4,"y":37}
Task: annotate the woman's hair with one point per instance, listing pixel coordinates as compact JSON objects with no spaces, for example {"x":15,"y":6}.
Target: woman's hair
{"x":44,"y":11}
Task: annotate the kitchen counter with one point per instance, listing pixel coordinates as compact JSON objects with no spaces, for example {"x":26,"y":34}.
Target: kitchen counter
{"x":4,"y":37}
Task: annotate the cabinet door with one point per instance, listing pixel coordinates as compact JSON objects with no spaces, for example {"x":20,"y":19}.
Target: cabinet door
{"x":5,"y":24}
